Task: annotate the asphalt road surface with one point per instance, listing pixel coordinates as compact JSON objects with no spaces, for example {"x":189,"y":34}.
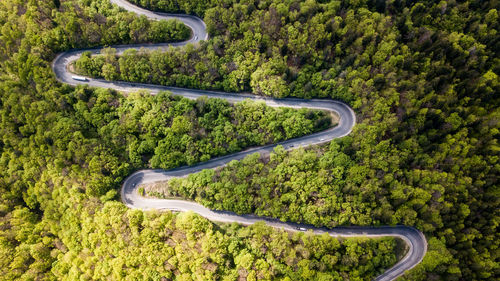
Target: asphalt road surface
{"x":417,"y":244}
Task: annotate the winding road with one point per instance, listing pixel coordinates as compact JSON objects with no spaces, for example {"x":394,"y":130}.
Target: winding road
{"x":417,"y":244}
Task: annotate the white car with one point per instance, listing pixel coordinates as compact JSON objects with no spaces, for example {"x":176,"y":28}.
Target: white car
{"x":79,"y":78}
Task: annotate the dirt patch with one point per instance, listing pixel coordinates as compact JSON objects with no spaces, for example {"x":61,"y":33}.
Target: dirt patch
{"x":335,"y":118}
{"x":154,"y":189}
{"x":401,"y":249}
{"x":158,"y":189}
{"x":71,"y":68}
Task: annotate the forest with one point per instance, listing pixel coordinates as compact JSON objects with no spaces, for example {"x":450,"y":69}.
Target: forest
{"x":422,"y":77}
{"x":166,"y":131}
{"x":65,"y":152}
{"x":194,"y":7}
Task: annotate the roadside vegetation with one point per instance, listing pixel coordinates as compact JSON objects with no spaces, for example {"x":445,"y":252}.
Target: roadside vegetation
{"x":65,"y":151}
{"x":130,"y":244}
{"x":195,"y":7}
{"x":166,"y":131}
{"x":422,"y":77}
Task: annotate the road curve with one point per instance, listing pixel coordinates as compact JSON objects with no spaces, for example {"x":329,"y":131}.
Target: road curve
{"x":417,"y":244}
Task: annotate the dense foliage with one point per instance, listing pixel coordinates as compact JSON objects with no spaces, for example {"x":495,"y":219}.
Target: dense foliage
{"x":107,"y":241}
{"x":423,"y":79}
{"x":421,"y":75}
{"x":65,"y":151}
{"x":94,"y":23}
{"x":196,"y":7}
{"x":165,"y":131}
